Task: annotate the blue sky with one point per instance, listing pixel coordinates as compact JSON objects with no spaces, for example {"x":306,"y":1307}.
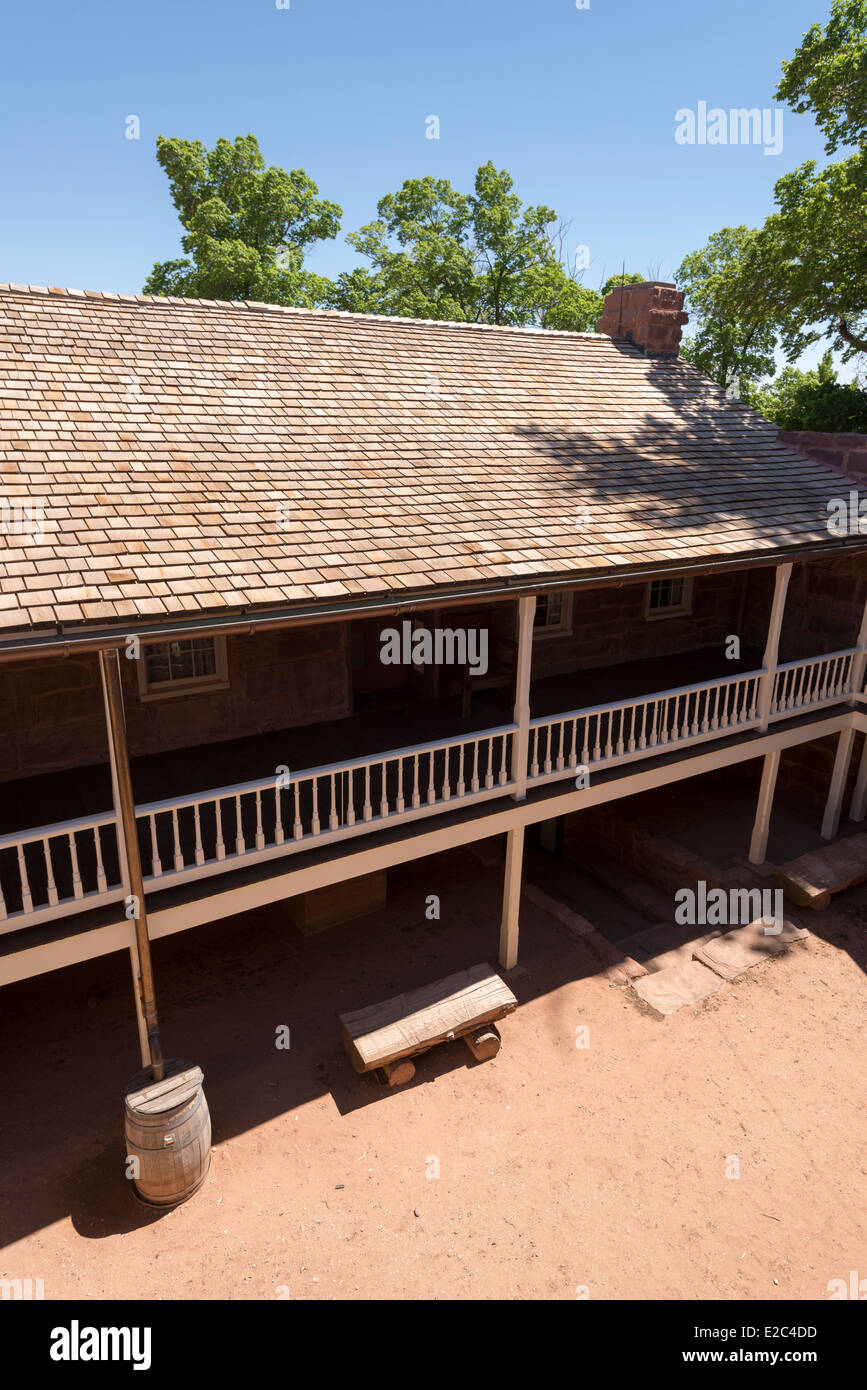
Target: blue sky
{"x":579,"y":105}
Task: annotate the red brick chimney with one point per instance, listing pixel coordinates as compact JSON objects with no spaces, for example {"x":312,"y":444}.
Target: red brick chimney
{"x":649,"y":315}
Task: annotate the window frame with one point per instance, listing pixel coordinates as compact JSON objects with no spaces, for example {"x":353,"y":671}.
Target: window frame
{"x":564,"y":626}
{"x":680,"y":610}
{"x":187,"y":685}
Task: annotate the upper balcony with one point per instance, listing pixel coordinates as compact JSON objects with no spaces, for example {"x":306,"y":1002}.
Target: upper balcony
{"x":342,"y":779}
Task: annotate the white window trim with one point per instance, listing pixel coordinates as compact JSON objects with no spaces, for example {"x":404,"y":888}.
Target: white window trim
{"x":194,"y":685}
{"x":565,"y":623}
{"x":683,"y":608}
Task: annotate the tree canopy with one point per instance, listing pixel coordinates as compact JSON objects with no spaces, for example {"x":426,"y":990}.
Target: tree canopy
{"x":247,"y":226}
{"x":813,"y":400}
{"x":733,"y":338}
{"x":828,"y":75}
{"x":480,"y":257}
{"x":433,"y":252}
{"x":802,"y":276}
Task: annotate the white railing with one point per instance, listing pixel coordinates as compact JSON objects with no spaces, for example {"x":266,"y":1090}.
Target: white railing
{"x":191,"y":837}
{"x":821,"y":680}
{"x":56,"y":870}
{"x":630,"y":729}
{"x":59,"y":869}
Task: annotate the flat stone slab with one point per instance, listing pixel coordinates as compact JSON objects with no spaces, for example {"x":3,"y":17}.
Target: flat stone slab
{"x":738,"y":950}
{"x":671,"y":989}
{"x":811,"y":879}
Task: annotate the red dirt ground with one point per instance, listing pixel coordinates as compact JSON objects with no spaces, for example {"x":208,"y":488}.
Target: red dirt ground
{"x":559,"y":1167}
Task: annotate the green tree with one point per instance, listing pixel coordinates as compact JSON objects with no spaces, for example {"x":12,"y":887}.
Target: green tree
{"x":247,"y":227}
{"x":482,"y":257}
{"x":614,"y":281}
{"x":802,"y":277}
{"x":733,"y":339}
{"x":808,"y":265}
{"x":828,"y":75}
{"x":809,"y":262}
{"x":813,"y":400}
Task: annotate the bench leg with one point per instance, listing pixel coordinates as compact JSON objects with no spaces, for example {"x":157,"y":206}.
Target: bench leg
{"x":483,"y":1042}
{"x":396,"y":1073}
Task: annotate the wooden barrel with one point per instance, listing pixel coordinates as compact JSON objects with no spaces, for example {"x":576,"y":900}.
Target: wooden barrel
{"x":168,"y":1132}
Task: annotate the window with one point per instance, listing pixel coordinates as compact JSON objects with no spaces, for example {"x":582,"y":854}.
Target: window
{"x":187,"y":665}
{"x":668,"y":597}
{"x":553,"y":613}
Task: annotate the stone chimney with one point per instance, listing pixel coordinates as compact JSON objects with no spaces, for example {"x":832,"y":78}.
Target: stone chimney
{"x":649,"y":315}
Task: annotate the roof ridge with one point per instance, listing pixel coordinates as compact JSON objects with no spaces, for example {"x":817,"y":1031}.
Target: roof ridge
{"x":259,"y":306}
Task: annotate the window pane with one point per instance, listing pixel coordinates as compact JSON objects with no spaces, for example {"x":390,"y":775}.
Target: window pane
{"x":186,"y":659}
{"x":156,"y":664}
{"x":666,"y":593}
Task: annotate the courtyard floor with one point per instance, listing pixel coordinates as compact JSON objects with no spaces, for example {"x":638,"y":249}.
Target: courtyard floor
{"x":560,"y":1168}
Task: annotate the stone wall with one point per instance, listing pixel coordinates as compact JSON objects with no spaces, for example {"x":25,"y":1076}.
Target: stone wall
{"x":610,"y":626}
{"x":805,"y":771}
{"x":848,"y":452}
{"x":52,"y":712}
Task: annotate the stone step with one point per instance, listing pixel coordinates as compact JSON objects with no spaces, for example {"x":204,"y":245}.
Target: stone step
{"x":666,"y":991}
{"x":654,"y":946}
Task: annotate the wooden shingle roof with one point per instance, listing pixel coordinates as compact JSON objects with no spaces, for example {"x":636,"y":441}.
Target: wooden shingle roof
{"x":196,"y":458}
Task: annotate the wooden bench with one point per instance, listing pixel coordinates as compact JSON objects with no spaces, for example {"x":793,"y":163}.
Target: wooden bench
{"x":810,"y":880}
{"x":384,"y":1037}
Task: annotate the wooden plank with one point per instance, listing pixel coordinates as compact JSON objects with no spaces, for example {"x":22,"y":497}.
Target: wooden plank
{"x":811,"y":879}
{"x":148,"y":1097}
{"x":411,"y":1023}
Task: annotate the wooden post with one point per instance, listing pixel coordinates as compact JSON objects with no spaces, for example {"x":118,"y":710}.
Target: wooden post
{"x":511,"y":898}
{"x":521,"y":738}
{"x":859,"y":796}
{"x":856,"y":682}
{"x":759,"y":841}
{"x":831,"y":819}
{"x":859,"y":661}
{"x":124,"y":878}
{"x":772,"y":646}
{"x":126,"y":831}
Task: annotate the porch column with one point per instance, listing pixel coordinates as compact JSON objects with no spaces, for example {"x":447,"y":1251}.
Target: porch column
{"x":124,"y":878}
{"x":521,"y":738}
{"x":772,"y":646}
{"x":511,"y":898}
{"x":831,"y":819}
{"x":856,"y":682}
{"x":859,"y":662}
{"x":859,"y":796}
{"x":126,"y":832}
{"x":759,"y":841}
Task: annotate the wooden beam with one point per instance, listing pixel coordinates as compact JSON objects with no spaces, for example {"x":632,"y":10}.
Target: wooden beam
{"x":521,"y":738}
{"x":511,"y":898}
{"x":759,"y":841}
{"x":772,"y":645}
{"x":126,"y":830}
